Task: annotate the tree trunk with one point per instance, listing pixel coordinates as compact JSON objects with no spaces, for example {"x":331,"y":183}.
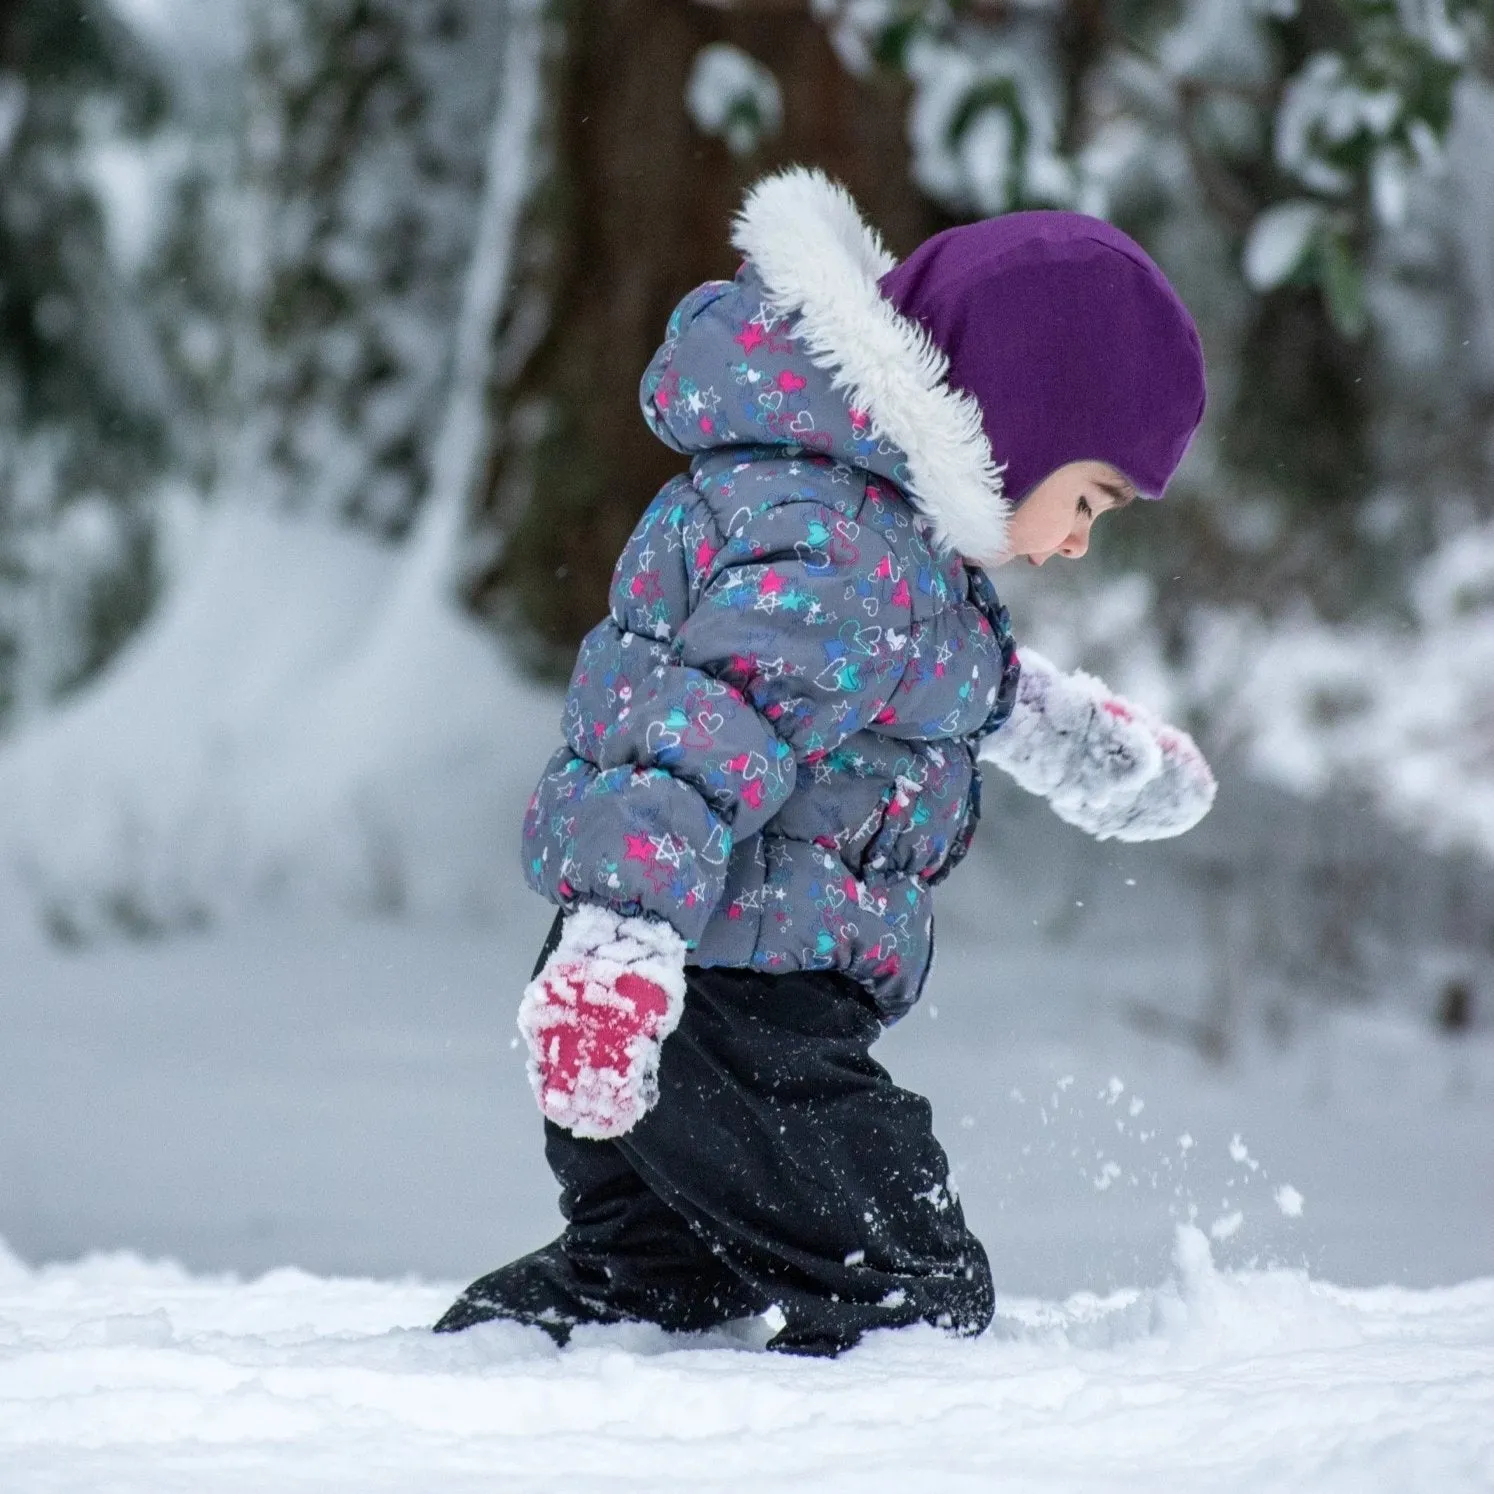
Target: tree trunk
{"x":638,"y":212}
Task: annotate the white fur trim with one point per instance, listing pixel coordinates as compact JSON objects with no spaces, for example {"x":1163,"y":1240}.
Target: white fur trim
{"x":601,"y":946}
{"x":820,"y":262}
{"x":1103,"y":763}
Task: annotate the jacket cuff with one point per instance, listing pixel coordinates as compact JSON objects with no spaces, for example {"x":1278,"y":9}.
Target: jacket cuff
{"x":638,"y":843}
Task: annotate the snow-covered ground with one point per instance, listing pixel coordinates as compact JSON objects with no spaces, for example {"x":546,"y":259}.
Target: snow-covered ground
{"x":344,"y":1099}
{"x":121,"y":1376}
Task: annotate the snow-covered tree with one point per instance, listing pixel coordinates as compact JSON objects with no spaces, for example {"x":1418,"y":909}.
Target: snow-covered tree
{"x":308,"y":715}
{"x":367,"y":130}
{"x":1303,"y":124}
{"x":398,"y":337}
{"x":84,"y":394}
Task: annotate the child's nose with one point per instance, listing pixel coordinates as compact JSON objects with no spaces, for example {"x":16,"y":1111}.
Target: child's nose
{"x":1076,"y":545}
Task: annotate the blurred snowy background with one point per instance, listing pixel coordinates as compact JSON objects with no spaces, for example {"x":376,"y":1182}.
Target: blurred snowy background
{"x":320,"y":328}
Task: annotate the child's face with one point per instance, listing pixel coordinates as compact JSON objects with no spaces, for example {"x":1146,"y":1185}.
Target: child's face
{"x":1055,"y":518}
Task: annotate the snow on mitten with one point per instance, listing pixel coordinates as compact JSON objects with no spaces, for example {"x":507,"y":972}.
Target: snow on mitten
{"x":1068,"y":736}
{"x":595,"y":1016}
{"x":1104,"y":764}
{"x":1169,"y":803}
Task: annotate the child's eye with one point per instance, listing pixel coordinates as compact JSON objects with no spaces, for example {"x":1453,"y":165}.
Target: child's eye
{"x":1085,"y":509}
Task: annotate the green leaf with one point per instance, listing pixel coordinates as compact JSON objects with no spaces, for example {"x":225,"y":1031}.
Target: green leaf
{"x":990,"y":93}
{"x":890,"y":45}
{"x":1343,"y":286}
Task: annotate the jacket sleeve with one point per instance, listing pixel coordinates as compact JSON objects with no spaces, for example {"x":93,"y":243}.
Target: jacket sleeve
{"x":682,"y":740}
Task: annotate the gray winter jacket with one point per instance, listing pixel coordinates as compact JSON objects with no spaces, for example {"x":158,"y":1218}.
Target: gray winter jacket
{"x":770,"y":740}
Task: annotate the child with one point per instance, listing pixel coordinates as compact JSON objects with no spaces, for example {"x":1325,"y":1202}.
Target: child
{"x":771,"y":748}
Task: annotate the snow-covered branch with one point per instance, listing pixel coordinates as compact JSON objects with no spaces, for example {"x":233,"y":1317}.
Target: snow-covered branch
{"x":508,"y":180}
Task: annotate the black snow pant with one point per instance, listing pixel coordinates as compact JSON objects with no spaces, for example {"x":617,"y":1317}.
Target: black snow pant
{"x":781,"y":1168}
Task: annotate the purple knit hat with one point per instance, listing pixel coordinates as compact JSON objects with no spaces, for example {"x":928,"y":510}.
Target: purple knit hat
{"x":1069,"y":338}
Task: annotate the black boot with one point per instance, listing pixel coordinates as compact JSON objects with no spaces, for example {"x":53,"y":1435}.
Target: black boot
{"x":624,"y":1257}
{"x":540,"y":1289}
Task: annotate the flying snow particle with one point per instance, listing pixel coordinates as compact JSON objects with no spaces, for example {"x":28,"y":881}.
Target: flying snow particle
{"x":1227,"y":1225}
{"x":1185,"y":1142}
{"x":1136,"y":1106}
{"x":1107,"y":1175}
{"x":1289,"y":1201}
{"x":1114,"y":1090}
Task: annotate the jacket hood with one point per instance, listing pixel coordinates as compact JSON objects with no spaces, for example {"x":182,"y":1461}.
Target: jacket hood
{"x":803,"y":349}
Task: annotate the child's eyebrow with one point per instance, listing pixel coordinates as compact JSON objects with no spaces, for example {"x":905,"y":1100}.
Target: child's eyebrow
{"x":1120,"y":493}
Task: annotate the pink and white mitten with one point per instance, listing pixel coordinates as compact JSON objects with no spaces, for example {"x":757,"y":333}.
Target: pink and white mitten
{"x":1173,"y":800}
{"x":595,"y":1016}
{"x":1102,"y":762}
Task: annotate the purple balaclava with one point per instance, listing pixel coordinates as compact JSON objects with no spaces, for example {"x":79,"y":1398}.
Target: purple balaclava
{"x":1068,"y":336}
